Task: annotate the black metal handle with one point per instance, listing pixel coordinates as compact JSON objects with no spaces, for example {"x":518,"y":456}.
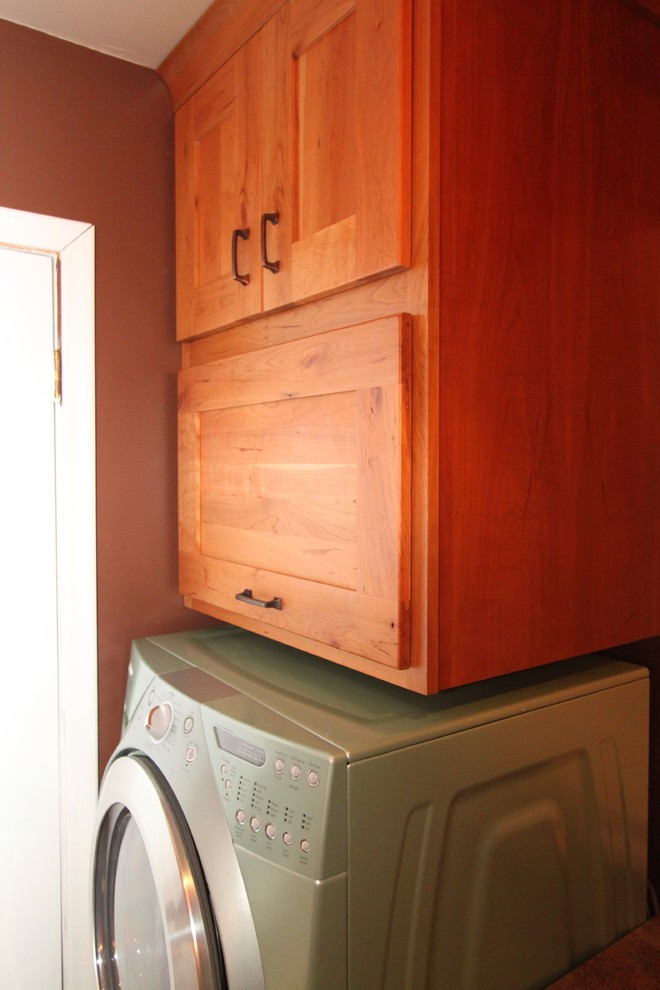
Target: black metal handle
{"x":244,"y":235}
{"x":247,"y":597}
{"x":274,"y":218}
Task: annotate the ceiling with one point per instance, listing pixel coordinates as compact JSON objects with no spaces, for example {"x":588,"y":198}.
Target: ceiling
{"x":141,"y":31}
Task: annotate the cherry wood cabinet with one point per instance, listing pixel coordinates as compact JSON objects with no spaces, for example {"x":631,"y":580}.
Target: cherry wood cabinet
{"x":293,"y":162}
{"x":530,"y":528}
{"x":217,"y":198}
{"x":294,"y":489}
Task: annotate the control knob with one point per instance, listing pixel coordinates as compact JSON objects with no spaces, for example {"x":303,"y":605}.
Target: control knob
{"x":159,"y":721}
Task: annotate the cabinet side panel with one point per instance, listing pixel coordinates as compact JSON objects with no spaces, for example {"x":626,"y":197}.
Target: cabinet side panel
{"x":549,"y":342}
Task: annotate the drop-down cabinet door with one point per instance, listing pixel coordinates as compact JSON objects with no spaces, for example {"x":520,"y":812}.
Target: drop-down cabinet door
{"x":294,"y":491}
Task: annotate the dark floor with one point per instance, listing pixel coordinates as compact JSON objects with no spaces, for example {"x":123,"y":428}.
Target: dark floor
{"x":632,"y":963}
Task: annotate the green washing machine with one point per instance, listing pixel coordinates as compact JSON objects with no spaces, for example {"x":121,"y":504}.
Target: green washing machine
{"x":271,"y":821}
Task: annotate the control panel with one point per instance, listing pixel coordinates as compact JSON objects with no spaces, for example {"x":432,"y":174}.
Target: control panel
{"x":277,"y":796}
{"x":281,"y":788}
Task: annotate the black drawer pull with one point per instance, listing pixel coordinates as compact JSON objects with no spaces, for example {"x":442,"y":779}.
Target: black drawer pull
{"x":244,"y":235}
{"x":274,"y":218}
{"x":247,"y":597}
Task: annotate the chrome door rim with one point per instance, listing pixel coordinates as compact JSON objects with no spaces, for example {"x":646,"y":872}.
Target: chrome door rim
{"x":131,"y":787}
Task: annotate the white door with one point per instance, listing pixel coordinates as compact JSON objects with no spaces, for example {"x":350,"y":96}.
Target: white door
{"x":29,"y":773}
{"x":47,"y":784}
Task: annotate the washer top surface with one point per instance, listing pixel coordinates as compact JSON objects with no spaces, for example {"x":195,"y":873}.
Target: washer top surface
{"x":357,"y":713}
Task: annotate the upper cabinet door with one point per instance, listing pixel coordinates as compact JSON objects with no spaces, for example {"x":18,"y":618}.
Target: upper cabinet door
{"x":336,"y":144}
{"x":217,"y":198}
{"x":293,"y":163}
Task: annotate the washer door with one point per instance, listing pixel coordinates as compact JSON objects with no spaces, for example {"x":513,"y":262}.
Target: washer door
{"x":153,"y":922}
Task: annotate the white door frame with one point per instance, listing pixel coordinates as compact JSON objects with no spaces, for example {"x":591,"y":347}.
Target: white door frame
{"x":73,"y":245}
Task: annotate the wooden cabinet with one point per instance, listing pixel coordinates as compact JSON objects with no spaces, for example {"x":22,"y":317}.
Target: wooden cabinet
{"x":528,"y":532}
{"x":294,"y":490}
{"x":218,"y":198}
{"x":293,"y":163}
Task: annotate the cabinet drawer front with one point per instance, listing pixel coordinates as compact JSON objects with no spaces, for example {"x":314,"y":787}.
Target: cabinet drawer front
{"x":295,"y":483}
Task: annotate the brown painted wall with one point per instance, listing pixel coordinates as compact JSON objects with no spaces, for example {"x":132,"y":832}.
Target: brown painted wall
{"x":89,"y":137}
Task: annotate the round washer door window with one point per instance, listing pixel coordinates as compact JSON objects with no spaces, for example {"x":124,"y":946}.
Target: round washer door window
{"x":153,"y":921}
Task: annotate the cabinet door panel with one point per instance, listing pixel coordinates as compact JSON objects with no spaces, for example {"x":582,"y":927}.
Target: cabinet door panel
{"x":343,"y":145}
{"x":326,"y":137}
{"x":295,"y":478}
{"x":218,"y":169}
{"x":308,"y":124}
{"x":298,"y":444}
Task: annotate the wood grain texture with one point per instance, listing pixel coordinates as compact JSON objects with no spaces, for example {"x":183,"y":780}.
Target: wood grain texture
{"x":283,"y":471}
{"x":212,"y":40}
{"x":549,"y":332}
{"x":383,"y":476}
{"x":351,"y":99}
{"x":380,"y":298}
{"x":276,"y":157}
{"x":327,"y":130}
{"x":533,"y":290}
{"x":218,"y":191}
{"x":318,"y":647}
{"x":405,"y":291}
{"x":383,"y":153}
{"x":286,"y":141}
{"x":322,"y":614}
{"x":295,"y":482}
{"x":341,"y":360}
{"x":423,"y":302}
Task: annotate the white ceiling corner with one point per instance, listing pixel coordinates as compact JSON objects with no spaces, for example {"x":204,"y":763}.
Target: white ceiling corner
{"x":140,"y":31}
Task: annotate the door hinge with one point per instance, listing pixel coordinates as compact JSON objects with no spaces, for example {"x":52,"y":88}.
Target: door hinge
{"x":57,"y":367}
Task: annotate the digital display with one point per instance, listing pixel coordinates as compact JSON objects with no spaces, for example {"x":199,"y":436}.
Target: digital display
{"x":239,"y":747}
